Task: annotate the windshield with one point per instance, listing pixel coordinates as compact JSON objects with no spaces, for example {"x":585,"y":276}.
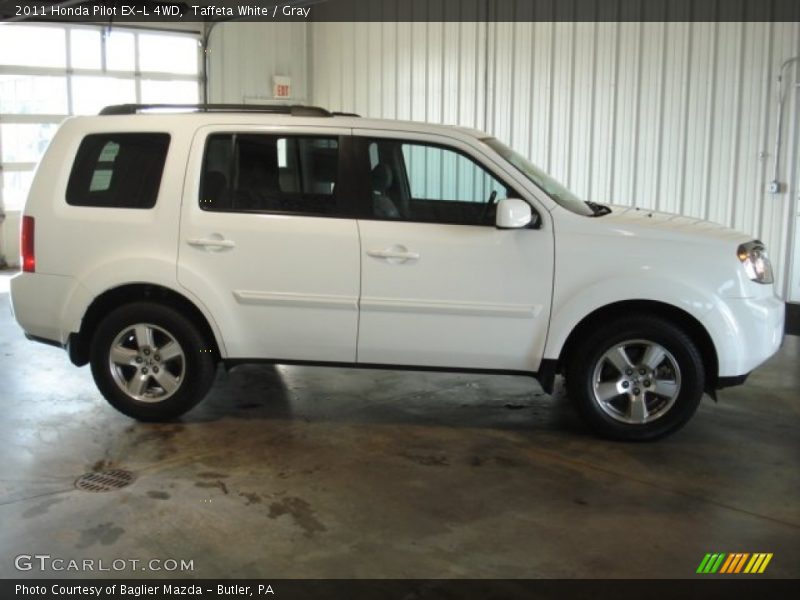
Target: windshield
{"x":550,"y":186}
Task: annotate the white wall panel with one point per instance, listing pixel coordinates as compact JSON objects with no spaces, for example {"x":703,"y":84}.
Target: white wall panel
{"x":672,"y":116}
{"x":793,"y":174}
{"x":243,"y":57}
{"x":584,"y":86}
{"x":778,"y":210}
{"x":422,"y":71}
{"x":625,"y":138}
{"x":673,"y":131}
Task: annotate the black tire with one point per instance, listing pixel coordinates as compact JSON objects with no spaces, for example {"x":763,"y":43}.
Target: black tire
{"x":186,"y":377}
{"x":606,"y":413}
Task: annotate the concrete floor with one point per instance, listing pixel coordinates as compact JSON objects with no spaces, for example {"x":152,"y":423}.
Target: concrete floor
{"x":321,"y":472}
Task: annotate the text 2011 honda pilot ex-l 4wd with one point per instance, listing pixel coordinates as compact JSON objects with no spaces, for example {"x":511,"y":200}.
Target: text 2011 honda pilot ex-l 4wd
{"x":158,"y":243}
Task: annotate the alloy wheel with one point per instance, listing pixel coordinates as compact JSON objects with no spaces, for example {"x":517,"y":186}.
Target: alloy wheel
{"x":147,"y":362}
{"x":636,"y":381}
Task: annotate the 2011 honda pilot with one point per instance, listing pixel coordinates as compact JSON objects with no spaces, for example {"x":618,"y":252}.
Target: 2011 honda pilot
{"x":158,"y":243}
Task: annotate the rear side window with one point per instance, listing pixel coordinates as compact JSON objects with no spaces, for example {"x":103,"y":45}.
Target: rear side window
{"x":245,"y":172}
{"x":118,"y":170}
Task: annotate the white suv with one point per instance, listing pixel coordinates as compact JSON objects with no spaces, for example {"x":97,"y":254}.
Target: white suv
{"x":158,"y":243}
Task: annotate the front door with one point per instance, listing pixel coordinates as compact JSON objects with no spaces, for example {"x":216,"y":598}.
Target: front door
{"x":441,"y":285}
{"x":267,"y":246}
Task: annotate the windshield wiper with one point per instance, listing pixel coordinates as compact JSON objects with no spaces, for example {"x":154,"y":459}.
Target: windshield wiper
{"x":598,"y":209}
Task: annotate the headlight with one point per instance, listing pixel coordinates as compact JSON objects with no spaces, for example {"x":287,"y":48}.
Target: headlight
{"x":755,"y":261}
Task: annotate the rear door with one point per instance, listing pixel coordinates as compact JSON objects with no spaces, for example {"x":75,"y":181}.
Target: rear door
{"x":441,"y":285}
{"x":269,"y":244}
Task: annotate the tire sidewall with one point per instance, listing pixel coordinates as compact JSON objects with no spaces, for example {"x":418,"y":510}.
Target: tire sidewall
{"x":581,"y":373}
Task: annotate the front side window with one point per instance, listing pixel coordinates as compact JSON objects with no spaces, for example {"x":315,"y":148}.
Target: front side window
{"x":430,"y":184}
{"x":118,"y":170}
{"x":270,"y":173}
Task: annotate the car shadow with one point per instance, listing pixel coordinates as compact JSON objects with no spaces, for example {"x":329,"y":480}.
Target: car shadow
{"x":369,"y":396}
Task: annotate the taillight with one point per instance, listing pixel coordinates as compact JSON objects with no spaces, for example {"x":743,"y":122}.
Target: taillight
{"x":27,"y":245}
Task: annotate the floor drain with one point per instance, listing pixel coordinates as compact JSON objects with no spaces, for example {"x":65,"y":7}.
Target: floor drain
{"x":105,"y":481}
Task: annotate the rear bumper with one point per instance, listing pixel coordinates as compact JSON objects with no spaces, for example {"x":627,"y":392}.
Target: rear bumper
{"x":41,"y":340}
{"x":78,"y":353}
{"x":47,"y":307}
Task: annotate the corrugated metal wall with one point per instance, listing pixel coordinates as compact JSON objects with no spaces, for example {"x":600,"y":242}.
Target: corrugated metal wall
{"x":673,"y":116}
{"x":432,"y":72}
{"x":243,"y":57}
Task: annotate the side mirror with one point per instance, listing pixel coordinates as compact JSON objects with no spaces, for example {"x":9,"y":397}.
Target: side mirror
{"x":513,"y":213}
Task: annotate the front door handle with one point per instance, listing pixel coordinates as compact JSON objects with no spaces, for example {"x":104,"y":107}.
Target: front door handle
{"x":211,"y":243}
{"x":394,"y":254}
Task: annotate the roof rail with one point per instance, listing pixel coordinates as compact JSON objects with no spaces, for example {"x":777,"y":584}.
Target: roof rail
{"x":295,"y":110}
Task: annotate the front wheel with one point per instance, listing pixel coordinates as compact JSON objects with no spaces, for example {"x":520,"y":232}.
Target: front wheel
{"x":150,"y":362}
{"x":638,"y":378}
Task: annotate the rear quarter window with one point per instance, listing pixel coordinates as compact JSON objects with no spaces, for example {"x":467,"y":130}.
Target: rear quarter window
{"x":118,"y":170}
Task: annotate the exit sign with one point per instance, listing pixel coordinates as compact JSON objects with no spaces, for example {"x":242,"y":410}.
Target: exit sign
{"x":281,"y":86}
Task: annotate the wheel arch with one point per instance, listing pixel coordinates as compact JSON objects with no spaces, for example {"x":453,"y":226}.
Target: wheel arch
{"x":679,"y":317}
{"x":80,"y":342}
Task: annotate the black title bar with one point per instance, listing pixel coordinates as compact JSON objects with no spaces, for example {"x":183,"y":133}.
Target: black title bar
{"x":401,"y":10}
{"x":706,"y":588}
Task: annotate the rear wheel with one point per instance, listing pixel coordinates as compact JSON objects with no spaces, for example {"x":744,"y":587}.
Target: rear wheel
{"x":638,"y":378}
{"x":150,"y":362}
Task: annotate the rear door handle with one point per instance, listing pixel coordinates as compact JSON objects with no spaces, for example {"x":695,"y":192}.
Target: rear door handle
{"x":394,"y":254}
{"x":211,"y":243}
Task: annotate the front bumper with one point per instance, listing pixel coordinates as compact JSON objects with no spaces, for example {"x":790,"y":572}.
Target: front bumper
{"x":754,"y":332}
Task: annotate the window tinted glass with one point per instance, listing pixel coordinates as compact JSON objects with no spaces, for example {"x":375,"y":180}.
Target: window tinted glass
{"x":431,"y":184}
{"x":270,"y":173}
{"x":118,"y":170}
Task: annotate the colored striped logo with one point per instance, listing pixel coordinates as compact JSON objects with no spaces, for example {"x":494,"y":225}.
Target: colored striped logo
{"x":733,"y":563}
